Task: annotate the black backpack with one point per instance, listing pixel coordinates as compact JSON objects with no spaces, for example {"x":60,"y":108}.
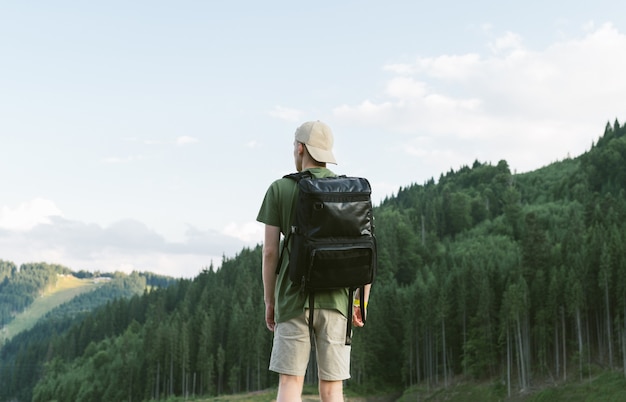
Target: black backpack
{"x":332,"y":236}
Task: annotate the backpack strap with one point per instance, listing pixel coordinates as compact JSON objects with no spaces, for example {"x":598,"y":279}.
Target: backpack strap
{"x":282,"y":252}
{"x":349,"y":317}
{"x":299,"y":175}
{"x":361,"y":290}
{"x":295,"y":177}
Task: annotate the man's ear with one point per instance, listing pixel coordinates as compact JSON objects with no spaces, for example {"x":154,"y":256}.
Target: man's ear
{"x":301,"y":148}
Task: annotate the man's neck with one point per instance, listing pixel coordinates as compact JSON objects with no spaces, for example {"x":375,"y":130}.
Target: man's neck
{"x":313,"y":166}
{"x":310,"y":163}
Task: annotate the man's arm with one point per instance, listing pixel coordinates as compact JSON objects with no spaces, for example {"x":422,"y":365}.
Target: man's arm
{"x":270,"y":259}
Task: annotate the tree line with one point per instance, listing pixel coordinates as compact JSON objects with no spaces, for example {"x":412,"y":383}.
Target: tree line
{"x":485,"y":274}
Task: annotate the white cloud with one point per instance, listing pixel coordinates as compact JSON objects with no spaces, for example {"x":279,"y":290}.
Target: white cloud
{"x":406,"y":88}
{"x":125,"y":245}
{"x":530,"y":107}
{"x":185,"y":139}
{"x":287,"y":114}
{"x":400,"y":68}
{"x":28,"y":214}
{"x":249,"y":232}
{"x":456,"y":67}
{"x":509,"y":42}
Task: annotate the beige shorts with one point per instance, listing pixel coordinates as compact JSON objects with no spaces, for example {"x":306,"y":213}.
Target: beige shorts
{"x":292,"y":346}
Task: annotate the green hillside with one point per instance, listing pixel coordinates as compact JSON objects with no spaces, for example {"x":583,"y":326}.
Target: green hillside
{"x":20,"y":287}
{"x":66,"y":288}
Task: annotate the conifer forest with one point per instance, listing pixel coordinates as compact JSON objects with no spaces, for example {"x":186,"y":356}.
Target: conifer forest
{"x":483,"y":274}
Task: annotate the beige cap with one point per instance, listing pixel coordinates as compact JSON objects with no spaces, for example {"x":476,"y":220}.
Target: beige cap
{"x":318,"y":139}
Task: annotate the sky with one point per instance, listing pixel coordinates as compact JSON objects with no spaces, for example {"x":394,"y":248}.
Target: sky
{"x":143,"y":135}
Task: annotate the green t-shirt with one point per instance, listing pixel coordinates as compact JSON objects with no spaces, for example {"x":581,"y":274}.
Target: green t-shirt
{"x":277,"y":210}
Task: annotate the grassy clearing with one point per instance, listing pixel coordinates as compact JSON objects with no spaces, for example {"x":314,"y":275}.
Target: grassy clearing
{"x":66,"y":288}
{"x":608,"y":386}
{"x":459,"y":392}
{"x":605,"y":386}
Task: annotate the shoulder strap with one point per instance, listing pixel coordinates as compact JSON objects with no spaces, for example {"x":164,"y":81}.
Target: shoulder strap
{"x":295,"y":177}
{"x":299,"y":175}
{"x":282,"y":252}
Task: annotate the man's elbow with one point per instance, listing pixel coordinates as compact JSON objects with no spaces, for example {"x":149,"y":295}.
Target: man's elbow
{"x":270,"y":252}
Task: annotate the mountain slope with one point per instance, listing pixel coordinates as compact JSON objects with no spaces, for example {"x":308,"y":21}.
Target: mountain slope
{"x":66,"y":288}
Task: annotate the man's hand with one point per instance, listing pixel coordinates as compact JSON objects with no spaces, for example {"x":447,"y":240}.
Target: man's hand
{"x":269,"y":317}
{"x":357,"y":317}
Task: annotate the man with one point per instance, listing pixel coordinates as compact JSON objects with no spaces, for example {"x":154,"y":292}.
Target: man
{"x":286,"y":307}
